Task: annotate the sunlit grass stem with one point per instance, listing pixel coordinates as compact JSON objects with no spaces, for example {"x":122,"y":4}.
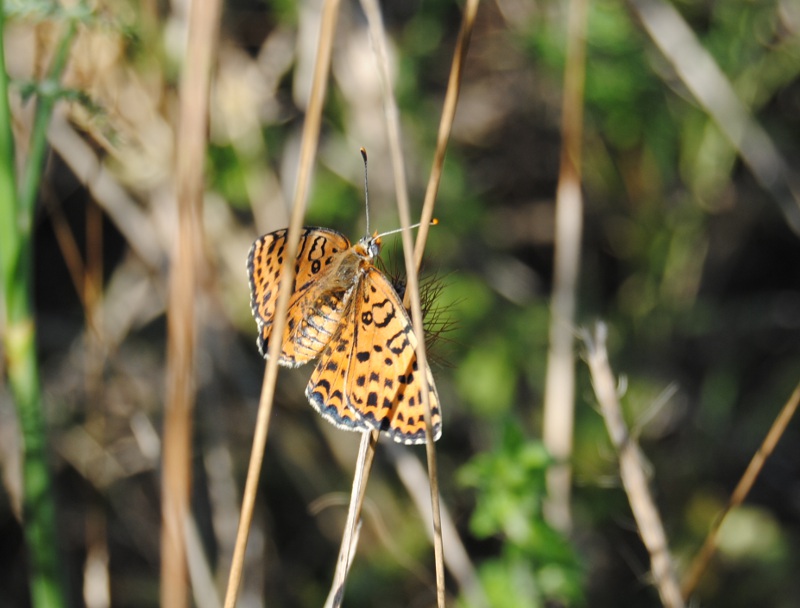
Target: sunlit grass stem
{"x":308,"y":150}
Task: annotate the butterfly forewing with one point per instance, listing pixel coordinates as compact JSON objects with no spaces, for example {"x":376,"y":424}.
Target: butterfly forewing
{"x":315,"y":306}
{"x":383,"y":382}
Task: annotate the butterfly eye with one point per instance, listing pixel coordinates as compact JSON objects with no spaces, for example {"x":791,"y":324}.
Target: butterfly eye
{"x":374,"y":248}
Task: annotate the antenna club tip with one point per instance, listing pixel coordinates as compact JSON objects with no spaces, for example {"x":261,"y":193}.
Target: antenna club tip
{"x":434,"y":221}
{"x":363,"y":153}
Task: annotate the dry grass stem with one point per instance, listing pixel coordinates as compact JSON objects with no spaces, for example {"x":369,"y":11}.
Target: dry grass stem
{"x":87,"y":279}
{"x":366,"y":451}
{"x":308,"y":150}
{"x":377,"y":31}
{"x":378,"y":35}
{"x":413,"y":258}
{"x":445,"y":125}
{"x":698,"y":70}
{"x":67,"y":244}
{"x":559,"y":395}
{"x":138,"y":229}
{"x":191,"y":145}
{"x":369,"y":441}
{"x":204,"y":591}
{"x":457,"y":559}
{"x":372,"y":516}
{"x":631,"y":465}
{"x":702,"y":559}
{"x":412,"y":264}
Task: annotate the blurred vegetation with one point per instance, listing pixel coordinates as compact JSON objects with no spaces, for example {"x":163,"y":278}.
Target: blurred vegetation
{"x":536,"y":563}
{"x":686,"y":257}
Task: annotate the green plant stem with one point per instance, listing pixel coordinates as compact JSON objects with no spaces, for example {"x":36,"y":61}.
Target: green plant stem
{"x":8,"y":195}
{"x":16,"y":251}
{"x":29,"y":188}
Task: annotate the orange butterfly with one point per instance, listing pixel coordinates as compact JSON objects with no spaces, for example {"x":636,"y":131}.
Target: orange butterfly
{"x":346,"y":312}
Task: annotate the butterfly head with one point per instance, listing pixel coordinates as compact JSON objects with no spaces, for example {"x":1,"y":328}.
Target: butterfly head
{"x":370,"y":246}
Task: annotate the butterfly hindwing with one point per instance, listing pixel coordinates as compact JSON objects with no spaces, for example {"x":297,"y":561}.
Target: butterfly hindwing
{"x":383,"y":382}
{"x":325,"y":390}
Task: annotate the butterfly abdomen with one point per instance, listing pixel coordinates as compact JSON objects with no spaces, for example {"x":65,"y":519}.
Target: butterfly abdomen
{"x":318,"y":324}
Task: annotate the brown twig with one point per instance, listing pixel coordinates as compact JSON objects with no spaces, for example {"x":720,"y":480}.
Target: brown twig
{"x":559,"y":394}
{"x":412,"y":474}
{"x":701,"y":75}
{"x":191,"y":145}
{"x":372,"y":515}
{"x":703,"y":557}
{"x":445,"y":126}
{"x":308,"y":150}
{"x":138,"y":229}
{"x":413,"y":263}
{"x":366,"y":451}
{"x":413,"y":260}
{"x":631,"y":467}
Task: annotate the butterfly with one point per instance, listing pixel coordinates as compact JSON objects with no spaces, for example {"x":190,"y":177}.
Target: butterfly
{"x":345,"y":312}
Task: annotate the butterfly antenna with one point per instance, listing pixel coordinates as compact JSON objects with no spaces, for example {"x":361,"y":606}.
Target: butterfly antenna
{"x":434,"y":221}
{"x":366,"y":189}
{"x":366,"y":201}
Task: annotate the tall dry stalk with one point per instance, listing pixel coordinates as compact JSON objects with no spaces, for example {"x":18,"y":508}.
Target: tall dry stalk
{"x":703,"y":77}
{"x":559,"y":394}
{"x":411,"y":299}
{"x":776,"y":431}
{"x":308,"y":150}
{"x":632,"y":470}
{"x":190,"y":146}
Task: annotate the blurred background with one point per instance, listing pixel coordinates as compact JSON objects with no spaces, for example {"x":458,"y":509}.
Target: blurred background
{"x":690,"y":254}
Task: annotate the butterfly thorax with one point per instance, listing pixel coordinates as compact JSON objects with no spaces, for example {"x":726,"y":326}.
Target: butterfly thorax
{"x":348,"y":266}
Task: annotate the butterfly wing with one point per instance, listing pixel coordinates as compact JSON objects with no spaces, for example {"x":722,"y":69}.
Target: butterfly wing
{"x":383,"y":382}
{"x":325,"y":390}
{"x":315,"y":306}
